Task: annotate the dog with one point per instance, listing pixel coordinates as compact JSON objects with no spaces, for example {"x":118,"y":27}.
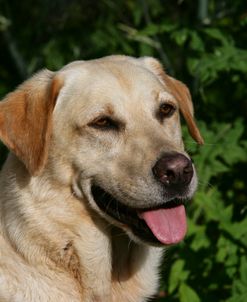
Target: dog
{"x":94,"y":186}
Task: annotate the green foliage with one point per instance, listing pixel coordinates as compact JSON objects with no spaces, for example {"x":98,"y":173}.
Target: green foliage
{"x":203,"y":43}
{"x":211,"y":264}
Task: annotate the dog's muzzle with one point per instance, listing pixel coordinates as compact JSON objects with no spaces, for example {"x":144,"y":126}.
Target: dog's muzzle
{"x":164,"y":223}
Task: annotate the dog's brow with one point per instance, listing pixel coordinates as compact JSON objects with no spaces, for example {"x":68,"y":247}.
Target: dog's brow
{"x":106,"y":111}
{"x":109,"y":110}
{"x":165,"y":96}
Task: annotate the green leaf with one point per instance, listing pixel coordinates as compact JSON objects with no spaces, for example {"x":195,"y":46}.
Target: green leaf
{"x":4,"y":23}
{"x":177,"y":275}
{"x":187,"y":294}
{"x":238,"y":298}
{"x":180,"y":36}
{"x":196,"y":42}
{"x":198,"y":234}
{"x":150,"y":30}
{"x":218,"y":35}
{"x":243,"y":270}
{"x":167,"y":27}
{"x":237,"y":230}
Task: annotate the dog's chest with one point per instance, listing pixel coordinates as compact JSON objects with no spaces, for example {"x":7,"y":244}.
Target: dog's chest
{"x":115,"y":269}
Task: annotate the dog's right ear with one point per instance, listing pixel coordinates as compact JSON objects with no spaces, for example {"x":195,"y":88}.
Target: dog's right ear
{"x":26,"y":119}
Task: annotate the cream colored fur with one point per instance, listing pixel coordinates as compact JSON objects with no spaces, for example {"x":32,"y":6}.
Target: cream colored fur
{"x":55,"y":243}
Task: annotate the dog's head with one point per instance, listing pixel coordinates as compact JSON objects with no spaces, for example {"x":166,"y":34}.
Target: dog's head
{"x":110,"y":129}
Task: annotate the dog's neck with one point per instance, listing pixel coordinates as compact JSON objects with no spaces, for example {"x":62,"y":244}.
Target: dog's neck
{"x":103,"y":261}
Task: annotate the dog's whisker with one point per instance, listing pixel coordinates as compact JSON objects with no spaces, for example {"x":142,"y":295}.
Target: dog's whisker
{"x":123,"y":234}
{"x":118,"y":211}
{"x":208,"y":184}
{"x":108,"y":205}
{"x":130,"y":241}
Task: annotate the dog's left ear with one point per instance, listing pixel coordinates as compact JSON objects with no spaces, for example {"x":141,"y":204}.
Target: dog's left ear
{"x":26,"y":119}
{"x":180,"y":92}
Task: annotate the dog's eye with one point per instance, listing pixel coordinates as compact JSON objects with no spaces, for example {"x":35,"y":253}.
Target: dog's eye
{"x":166,"y":110}
{"x":104,"y":123}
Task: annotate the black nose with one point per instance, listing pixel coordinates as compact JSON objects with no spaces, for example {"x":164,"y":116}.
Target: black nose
{"x":174,"y":170}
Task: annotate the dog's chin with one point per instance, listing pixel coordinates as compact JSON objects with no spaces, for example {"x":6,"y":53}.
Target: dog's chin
{"x":138,"y":222}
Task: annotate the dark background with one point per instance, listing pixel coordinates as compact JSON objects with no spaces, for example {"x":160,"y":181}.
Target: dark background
{"x":203,"y":43}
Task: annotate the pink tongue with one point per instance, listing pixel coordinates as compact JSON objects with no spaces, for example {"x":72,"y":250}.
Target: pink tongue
{"x":168,"y":225}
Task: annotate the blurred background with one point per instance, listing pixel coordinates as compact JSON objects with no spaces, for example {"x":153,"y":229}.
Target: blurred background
{"x":204,"y":44}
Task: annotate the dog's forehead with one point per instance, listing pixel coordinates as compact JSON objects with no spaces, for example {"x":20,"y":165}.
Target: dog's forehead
{"x":109,"y":73}
{"x":107,"y":81}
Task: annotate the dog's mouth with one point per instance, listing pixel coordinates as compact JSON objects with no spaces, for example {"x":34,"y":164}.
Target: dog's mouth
{"x":165,"y":224}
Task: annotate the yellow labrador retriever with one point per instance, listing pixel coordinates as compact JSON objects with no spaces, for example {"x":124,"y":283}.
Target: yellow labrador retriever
{"x":95,"y":182}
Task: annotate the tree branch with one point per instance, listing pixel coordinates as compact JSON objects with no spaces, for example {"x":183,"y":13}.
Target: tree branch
{"x":159,"y":47}
{"x":15,"y":54}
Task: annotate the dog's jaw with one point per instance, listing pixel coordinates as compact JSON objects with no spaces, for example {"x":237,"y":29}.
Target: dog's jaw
{"x":137,"y":222}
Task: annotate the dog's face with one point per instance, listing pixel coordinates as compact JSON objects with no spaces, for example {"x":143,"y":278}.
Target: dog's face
{"x":117,"y":141}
